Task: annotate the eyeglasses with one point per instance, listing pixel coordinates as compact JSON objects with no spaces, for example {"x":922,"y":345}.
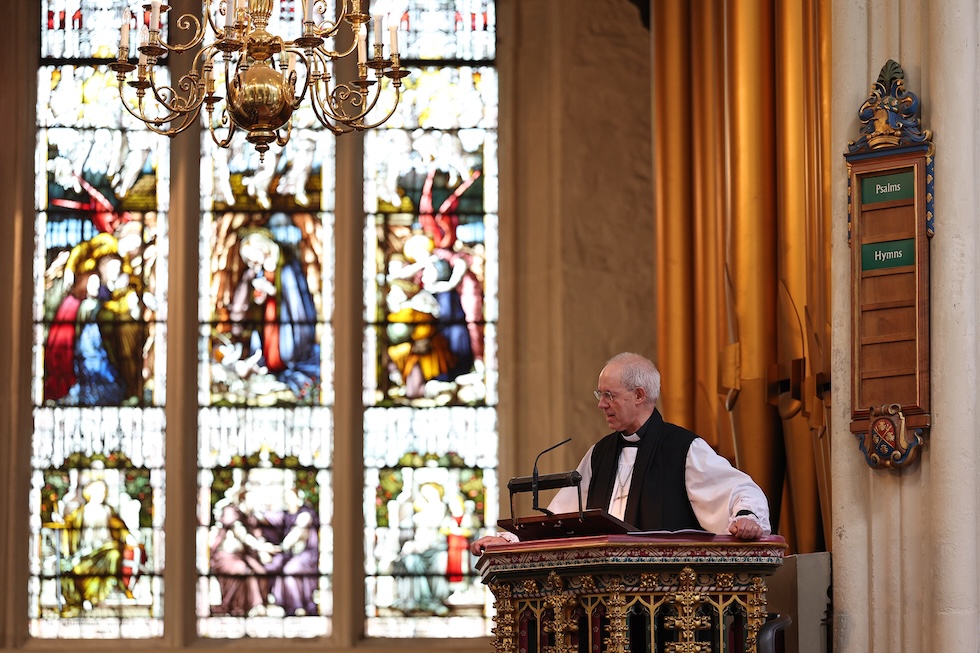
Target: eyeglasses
{"x":608,"y":396}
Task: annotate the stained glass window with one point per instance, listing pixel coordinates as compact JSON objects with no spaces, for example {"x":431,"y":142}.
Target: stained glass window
{"x":265,"y":436}
{"x":265,"y":379}
{"x":100,"y":306}
{"x":430,"y":277}
{"x":265,"y":354}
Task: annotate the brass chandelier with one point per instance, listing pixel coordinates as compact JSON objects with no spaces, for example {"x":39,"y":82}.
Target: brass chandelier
{"x":262,"y":81}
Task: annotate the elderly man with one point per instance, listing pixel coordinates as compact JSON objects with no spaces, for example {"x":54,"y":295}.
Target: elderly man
{"x":652,"y":474}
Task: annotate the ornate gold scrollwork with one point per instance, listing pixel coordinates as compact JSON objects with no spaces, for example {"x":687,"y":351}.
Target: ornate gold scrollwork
{"x":679,"y":605}
{"x":756,"y":613}
{"x":687,"y":601}
{"x":649,"y":581}
{"x":618,"y":641}
{"x":587,"y":583}
{"x":553,"y":583}
{"x":562,"y":624}
{"x":504,"y":632}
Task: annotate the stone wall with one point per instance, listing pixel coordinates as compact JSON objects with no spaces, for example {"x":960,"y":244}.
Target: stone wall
{"x":577,"y":224}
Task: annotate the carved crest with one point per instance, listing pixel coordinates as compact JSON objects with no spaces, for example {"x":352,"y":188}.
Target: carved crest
{"x":889,"y":116}
{"x":887,"y":442}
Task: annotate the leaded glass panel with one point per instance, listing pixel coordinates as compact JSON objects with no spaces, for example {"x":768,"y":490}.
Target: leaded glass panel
{"x":447,"y":29}
{"x":298,"y":176}
{"x":264,"y":514}
{"x":266,"y":325}
{"x":430,"y":260}
{"x":430,"y":281}
{"x":266,"y":389}
{"x":98,"y":482}
{"x":85,"y":29}
{"x":97,"y":514}
{"x":430,"y":488}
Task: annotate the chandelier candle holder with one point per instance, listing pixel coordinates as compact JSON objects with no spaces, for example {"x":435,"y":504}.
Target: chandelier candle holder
{"x":262,"y":81}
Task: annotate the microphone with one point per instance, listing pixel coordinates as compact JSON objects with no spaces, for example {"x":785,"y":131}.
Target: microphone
{"x":534,"y":477}
{"x":536,"y":482}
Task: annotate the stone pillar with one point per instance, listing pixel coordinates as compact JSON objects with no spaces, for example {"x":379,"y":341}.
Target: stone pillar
{"x":19,"y":44}
{"x":949,"y":520}
{"x":905,"y":564}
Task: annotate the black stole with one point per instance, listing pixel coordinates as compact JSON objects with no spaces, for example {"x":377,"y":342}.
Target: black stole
{"x":658,"y":493}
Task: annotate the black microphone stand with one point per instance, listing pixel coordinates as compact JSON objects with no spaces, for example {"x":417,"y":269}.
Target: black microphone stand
{"x":535,"y":478}
{"x":536,"y":482}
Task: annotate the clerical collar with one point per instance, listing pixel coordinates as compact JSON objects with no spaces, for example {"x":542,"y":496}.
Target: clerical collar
{"x":631,"y":440}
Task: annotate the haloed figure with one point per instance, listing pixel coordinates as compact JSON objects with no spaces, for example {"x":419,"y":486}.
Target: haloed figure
{"x":273,"y":299}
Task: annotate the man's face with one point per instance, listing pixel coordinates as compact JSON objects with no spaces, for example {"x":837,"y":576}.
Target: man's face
{"x":620,"y":406}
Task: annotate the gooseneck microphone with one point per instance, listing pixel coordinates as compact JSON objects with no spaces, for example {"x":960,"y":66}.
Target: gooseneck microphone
{"x":534,"y":476}
{"x":536,"y":482}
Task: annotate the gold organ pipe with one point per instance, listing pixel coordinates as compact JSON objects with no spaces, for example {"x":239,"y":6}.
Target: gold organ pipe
{"x":742,"y":173}
{"x":708,"y":196}
{"x":672,"y":164}
{"x":817,"y":66}
{"x":793,"y":214}
{"x":750,"y":266}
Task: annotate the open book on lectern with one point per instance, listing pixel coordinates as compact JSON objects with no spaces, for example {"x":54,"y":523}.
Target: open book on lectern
{"x":594,"y":521}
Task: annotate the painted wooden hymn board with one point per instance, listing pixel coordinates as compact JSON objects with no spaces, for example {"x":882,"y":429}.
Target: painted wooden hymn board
{"x":890,"y":181}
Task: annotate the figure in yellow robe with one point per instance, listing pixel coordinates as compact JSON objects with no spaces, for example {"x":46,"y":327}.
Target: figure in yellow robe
{"x":94,"y":542}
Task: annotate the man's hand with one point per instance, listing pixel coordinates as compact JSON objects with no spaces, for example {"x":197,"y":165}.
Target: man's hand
{"x":745,"y":528}
{"x":480,"y":545}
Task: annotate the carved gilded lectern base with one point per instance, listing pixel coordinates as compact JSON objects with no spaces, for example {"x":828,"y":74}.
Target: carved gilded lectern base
{"x":630,"y":594}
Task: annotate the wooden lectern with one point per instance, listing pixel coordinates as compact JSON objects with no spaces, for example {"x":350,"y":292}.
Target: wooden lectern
{"x":630,"y":593}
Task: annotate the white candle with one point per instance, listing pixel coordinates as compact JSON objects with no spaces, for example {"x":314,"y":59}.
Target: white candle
{"x":154,"y":14}
{"x":292,"y":61}
{"x":309,"y":10}
{"x":393,"y":36}
{"x":229,"y":13}
{"x":124,"y":33}
{"x":361,"y":47}
{"x":142,"y":59}
{"x":378,"y":26}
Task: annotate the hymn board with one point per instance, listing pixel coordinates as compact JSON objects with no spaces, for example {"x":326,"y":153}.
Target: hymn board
{"x":890,"y":221}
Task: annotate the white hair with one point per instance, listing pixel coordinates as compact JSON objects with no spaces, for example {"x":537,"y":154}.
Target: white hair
{"x":637,"y":371}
